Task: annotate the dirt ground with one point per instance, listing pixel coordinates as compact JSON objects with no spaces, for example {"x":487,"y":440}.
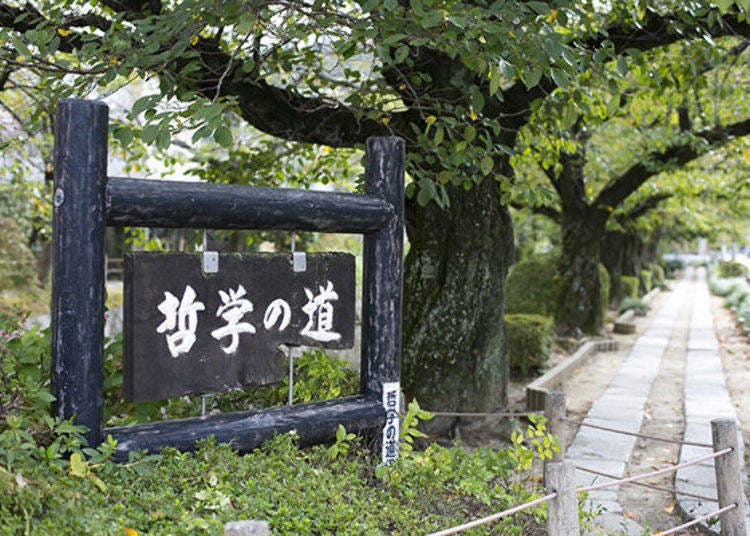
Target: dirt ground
{"x":653,"y":509}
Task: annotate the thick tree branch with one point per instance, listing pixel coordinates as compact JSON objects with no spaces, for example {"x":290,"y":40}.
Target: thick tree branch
{"x":675,"y":156}
{"x":644,"y":207}
{"x":286,"y":114}
{"x":542,"y":210}
{"x":657,"y":30}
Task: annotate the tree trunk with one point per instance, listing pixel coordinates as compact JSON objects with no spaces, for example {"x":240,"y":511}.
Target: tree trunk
{"x":611,"y":257}
{"x":632,"y":254}
{"x":454,"y":351}
{"x":579,"y":305}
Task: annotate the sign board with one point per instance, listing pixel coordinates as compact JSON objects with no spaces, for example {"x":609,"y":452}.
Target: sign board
{"x":190,"y":332}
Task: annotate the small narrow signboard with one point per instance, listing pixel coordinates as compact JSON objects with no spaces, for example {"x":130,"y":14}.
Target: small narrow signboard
{"x":187,"y":332}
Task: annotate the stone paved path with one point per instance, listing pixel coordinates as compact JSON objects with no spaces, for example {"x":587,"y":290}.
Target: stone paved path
{"x":622,"y":407}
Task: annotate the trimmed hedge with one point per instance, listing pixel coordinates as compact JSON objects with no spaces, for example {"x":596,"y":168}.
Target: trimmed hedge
{"x":658,"y":276}
{"x":629,"y":285}
{"x":532,"y":286}
{"x":644,"y":280}
{"x":529,"y":344}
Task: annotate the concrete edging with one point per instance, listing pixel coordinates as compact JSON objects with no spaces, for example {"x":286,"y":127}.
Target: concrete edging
{"x":536,"y":390}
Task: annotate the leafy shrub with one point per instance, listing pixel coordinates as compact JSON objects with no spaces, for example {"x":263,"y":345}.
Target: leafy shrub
{"x":27,"y":431}
{"x":723,"y":287}
{"x":636,"y":305}
{"x":629,"y":285}
{"x":644,"y":281}
{"x":740,"y":292}
{"x":736,"y":290}
{"x":532,"y":286}
{"x":317,"y":376}
{"x":529,"y":343}
{"x":604,"y":286}
{"x":16,"y":259}
{"x":727,"y":269}
{"x":672,"y":266}
{"x":658,"y":276}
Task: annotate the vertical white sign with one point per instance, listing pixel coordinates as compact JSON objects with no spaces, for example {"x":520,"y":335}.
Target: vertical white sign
{"x":391,"y":404}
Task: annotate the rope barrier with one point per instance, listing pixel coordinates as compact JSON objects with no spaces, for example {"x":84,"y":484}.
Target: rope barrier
{"x":698,"y":520}
{"x":651,"y":486}
{"x":665,"y":470}
{"x":493,"y":517}
{"x":492,"y":414}
{"x":635,"y":434}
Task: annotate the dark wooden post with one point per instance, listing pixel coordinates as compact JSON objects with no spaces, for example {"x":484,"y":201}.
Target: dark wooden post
{"x":383,"y":252}
{"x":383,"y":261}
{"x":78,"y":262}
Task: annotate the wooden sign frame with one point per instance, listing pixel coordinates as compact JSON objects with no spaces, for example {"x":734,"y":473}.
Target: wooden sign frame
{"x":86,"y":200}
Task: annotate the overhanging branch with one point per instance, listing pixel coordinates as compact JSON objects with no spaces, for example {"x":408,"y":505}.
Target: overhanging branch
{"x":673,"y":157}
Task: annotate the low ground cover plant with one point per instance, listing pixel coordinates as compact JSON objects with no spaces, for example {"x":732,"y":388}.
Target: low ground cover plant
{"x":736,"y":291}
{"x":52,"y":483}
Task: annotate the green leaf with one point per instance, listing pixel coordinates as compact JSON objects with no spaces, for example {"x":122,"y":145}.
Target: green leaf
{"x":223,"y":136}
{"x":622,"y":66}
{"x":486,"y":165}
{"x":470,"y":133}
{"x":561,"y":78}
{"x":613,"y":105}
{"x":540,"y":7}
{"x":78,"y":467}
{"x":432,"y":19}
{"x":494,"y":77}
{"x":164,"y":138}
{"x":439,"y":134}
{"x":401,"y":53}
{"x":531,"y":78}
{"x":724,"y":5}
{"x":144,"y":103}
{"x":149,"y":133}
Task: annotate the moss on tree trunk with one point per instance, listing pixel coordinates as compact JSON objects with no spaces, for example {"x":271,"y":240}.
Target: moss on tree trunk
{"x":454,"y":349}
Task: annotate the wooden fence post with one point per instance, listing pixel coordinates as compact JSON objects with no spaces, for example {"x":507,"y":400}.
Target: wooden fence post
{"x":728,"y":477}
{"x":554,"y":409}
{"x":78,"y":263}
{"x":562,"y":511}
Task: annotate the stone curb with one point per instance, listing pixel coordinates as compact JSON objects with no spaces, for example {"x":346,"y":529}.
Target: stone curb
{"x":538,"y":389}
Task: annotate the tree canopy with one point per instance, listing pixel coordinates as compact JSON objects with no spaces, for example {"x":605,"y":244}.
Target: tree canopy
{"x":458,"y":81}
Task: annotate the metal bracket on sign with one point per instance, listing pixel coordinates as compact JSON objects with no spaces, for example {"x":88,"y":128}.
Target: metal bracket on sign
{"x":299,"y":258}
{"x":209,"y":259}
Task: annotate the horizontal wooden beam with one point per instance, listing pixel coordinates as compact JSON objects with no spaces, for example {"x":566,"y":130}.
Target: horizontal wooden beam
{"x":159,"y":203}
{"x":315,"y":422}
